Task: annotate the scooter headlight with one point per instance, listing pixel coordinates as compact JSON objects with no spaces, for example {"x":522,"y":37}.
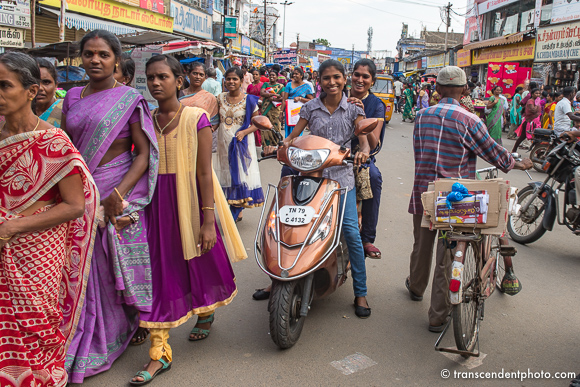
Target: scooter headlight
{"x":324,"y":229}
{"x":307,"y":160}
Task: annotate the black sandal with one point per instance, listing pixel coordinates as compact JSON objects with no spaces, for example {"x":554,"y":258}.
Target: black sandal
{"x":261,"y":295}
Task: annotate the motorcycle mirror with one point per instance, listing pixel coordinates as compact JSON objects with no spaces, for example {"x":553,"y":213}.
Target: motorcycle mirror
{"x":262,"y":123}
{"x":366,"y":126}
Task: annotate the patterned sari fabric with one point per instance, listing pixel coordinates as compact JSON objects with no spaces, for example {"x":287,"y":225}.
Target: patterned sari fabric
{"x":273,"y":113}
{"x":53,"y":114}
{"x":208,"y":102}
{"x":43,"y":274}
{"x":300,"y":91}
{"x":120,"y":278}
{"x":408,"y":110}
{"x":494,"y":119}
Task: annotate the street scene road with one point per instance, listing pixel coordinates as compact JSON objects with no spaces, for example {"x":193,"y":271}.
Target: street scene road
{"x":533,"y":332}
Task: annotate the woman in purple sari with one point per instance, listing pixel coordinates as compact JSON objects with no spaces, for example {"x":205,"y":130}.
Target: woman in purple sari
{"x":105,"y":121}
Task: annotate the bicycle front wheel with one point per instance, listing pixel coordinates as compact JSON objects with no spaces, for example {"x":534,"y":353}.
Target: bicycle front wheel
{"x":465,"y":314}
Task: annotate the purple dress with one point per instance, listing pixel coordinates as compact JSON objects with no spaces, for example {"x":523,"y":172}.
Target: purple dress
{"x":182,"y":287}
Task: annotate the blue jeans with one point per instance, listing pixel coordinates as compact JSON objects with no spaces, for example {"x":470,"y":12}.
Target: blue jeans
{"x":354,"y":244}
{"x":370,"y":207}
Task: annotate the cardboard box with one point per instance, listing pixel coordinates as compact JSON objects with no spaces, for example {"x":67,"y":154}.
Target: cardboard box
{"x":497,"y":216}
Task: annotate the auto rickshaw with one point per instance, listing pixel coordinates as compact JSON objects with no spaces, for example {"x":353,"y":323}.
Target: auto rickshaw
{"x":383,"y":88}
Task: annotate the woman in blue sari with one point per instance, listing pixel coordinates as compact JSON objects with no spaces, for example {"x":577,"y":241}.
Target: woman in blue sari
{"x":363,"y":77}
{"x":48,"y":106}
{"x":297,"y":90}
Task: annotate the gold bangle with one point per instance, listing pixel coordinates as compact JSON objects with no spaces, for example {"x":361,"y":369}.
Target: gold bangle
{"x":207,"y":208}
{"x":5,"y":239}
{"x":118,"y":193}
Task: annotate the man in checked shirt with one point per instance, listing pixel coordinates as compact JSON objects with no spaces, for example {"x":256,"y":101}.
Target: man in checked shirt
{"x":447,"y":140}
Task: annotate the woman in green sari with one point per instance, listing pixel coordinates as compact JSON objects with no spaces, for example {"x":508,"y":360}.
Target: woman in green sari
{"x":408,"y":98}
{"x":494,"y":118}
{"x":272,"y":94}
{"x":515,"y":113}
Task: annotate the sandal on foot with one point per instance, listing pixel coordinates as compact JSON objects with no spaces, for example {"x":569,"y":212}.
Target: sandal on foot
{"x":371,"y":251}
{"x":199,"y":331}
{"x":147,"y":377}
{"x":361,"y":311}
{"x":140,"y":336}
{"x":261,"y":294}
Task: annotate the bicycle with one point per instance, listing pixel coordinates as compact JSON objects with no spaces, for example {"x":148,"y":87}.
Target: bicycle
{"x":479,"y":265}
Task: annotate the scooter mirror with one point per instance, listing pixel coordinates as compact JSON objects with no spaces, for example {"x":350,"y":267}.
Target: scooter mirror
{"x":366,"y":126}
{"x":262,"y":123}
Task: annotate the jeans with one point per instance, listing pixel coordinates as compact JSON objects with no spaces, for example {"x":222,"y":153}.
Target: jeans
{"x":370,"y":207}
{"x":354,"y":244}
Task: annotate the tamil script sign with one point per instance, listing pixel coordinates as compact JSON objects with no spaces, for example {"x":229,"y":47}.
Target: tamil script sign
{"x":11,"y":37}
{"x":117,"y":12}
{"x":558,"y":43}
{"x":191,"y":21}
{"x":15,"y":13}
{"x":564,"y":10}
{"x":463,"y":58}
{"x":285,"y":57}
{"x":509,"y":53}
{"x":257,"y":49}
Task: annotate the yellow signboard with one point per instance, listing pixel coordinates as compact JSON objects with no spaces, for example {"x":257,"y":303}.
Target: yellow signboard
{"x":118,"y":12}
{"x":509,"y":53}
{"x":344,"y":60}
{"x":257,"y":49}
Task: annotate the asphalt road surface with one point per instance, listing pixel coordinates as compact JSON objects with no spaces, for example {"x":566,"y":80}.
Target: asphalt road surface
{"x":534,"y":332}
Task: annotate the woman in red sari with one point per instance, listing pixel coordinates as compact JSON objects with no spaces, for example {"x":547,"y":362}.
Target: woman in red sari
{"x":47,"y":226}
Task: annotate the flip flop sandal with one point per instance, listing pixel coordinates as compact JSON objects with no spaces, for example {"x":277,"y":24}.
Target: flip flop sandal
{"x":369,"y":249}
{"x":147,"y":377}
{"x":142,"y":334}
{"x":199,"y":331}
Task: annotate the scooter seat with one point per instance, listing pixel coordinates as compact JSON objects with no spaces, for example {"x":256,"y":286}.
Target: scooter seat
{"x":543,"y":132}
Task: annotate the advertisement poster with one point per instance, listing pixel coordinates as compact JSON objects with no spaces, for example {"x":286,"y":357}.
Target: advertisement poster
{"x":524,"y":73}
{"x":464,"y":58}
{"x":512,"y":52}
{"x":153,"y":5}
{"x":231,"y":23}
{"x":494,"y":76}
{"x":558,"y":43}
{"x":15,"y":13}
{"x":509,"y":79}
{"x":285,"y":56}
{"x":245,"y":19}
{"x":565,"y":10}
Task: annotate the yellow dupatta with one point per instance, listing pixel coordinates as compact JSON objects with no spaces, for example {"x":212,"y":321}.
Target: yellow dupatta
{"x":187,"y":199}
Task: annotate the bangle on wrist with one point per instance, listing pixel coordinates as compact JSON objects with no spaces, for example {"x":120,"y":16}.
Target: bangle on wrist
{"x":118,"y":193}
{"x":5,"y":239}
{"x":207,"y":208}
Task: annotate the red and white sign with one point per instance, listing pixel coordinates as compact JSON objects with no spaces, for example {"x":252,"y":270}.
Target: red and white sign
{"x":491,"y":5}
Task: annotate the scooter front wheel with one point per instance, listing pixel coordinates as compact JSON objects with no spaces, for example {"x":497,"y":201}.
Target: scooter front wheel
{"x":284,"y":306}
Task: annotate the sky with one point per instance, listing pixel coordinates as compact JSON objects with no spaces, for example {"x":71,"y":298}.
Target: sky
{"x":345,"y":22}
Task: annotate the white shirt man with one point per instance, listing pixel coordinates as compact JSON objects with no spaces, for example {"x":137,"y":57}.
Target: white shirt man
{"x":562,"y":120}
{"x":398,"y":87}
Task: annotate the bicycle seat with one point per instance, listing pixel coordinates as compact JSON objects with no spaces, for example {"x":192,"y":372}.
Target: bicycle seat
{"x":543,"y":132}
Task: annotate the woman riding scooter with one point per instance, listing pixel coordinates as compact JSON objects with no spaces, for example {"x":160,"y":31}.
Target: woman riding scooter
{"x":332,"y":117}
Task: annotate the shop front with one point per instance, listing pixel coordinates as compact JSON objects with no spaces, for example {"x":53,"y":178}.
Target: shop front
{"x":557,"y":59}
{"x":508,"y":66}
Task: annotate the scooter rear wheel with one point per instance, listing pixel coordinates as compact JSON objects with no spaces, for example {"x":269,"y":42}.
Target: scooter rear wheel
{"x":284,"y":306}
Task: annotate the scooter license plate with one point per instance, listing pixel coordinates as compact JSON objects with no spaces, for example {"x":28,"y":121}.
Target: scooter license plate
{"x":296,"y":215}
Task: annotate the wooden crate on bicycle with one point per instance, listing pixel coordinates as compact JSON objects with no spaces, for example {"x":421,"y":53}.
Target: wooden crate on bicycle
{"x":493,"y":223}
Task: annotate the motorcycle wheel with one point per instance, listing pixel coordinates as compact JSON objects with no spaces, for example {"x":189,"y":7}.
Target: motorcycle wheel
{"x":539,"y":153}
{"x":284,"y":306}
{"x":527,"y":228}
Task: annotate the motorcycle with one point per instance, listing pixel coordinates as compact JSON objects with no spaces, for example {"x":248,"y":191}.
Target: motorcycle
{"x":540,"y":201}
{"x":299,"y":242}
{"x":543,"y":141}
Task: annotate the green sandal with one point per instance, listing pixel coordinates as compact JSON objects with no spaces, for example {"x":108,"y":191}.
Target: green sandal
{"x":199,"y":331}
{"x":147,"y":378}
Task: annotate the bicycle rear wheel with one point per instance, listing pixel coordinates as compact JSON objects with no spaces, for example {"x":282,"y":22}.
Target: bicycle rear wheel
{"x":465,"y":314}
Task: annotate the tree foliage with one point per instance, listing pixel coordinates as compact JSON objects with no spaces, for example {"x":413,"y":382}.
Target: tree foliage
{"x":322,"y":41}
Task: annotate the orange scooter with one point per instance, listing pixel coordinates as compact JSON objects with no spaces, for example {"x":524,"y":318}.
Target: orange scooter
{"x":299,"y":242}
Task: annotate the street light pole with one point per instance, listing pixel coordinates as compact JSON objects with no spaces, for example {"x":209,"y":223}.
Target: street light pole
{"x":285,"y":3}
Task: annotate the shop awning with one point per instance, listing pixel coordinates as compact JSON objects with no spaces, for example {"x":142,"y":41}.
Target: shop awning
{"x":87,"y":23}
{"x":148,"y":37}
{"x":193,"y":46}
{"x":500,"y":41}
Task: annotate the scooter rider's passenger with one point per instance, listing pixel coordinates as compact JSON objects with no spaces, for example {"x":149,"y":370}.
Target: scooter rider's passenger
{"x":331,"y":116}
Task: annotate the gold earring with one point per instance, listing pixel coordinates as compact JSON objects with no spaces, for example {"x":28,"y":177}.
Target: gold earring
{"x":31,"y":98}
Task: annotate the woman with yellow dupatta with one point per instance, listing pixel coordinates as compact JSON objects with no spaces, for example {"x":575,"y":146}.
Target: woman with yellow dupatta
{"x":48,"y":203}
{"x":190,"y":268}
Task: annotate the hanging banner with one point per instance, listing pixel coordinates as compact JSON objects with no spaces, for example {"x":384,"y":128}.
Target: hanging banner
{"x":558,"y":43}
{"x":237,"y":44}
{"x":12,"y":37}
{"x":153,"y":5}
{"x":463,"y":58}
{"x":15,"y":13}
{"x":117,"y":12}
{"x":231,"y":28}
{"x":285,"y":56}
{"x":494,"y":75}
{"x":565,"y":10}
{"x":245,"y":19}
{"x":511,"y":52}
{"x":245,"y":45}
{"x":190,"y":21}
